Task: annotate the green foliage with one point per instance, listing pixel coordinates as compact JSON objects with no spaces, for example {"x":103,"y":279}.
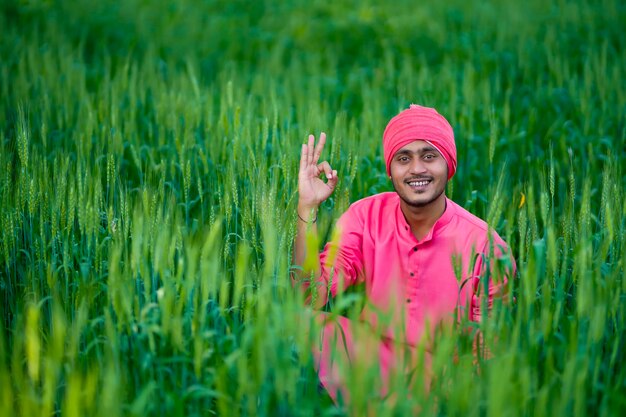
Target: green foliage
{"x":149,"y":184}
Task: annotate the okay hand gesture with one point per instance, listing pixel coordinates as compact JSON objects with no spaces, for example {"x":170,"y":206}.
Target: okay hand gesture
{"x":312,"y":189}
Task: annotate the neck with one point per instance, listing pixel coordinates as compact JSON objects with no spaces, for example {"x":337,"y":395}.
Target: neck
{"x":422,"y":219}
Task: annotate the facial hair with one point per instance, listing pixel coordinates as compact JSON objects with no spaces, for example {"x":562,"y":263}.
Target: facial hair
{"x":418,"y":204}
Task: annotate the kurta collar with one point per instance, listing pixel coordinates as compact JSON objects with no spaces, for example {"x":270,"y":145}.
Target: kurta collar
{"x":441,"y":222}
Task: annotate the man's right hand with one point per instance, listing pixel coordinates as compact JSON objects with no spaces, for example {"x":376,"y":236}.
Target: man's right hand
{"x":311,"y":188}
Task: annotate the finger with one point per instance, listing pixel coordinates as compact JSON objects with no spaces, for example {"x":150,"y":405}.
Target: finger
{"x":303,"y":157}
{"x":319,"y":148}
{"x":310,"y":149}
{"x":332,"y":182}
{"x":326,"y":169}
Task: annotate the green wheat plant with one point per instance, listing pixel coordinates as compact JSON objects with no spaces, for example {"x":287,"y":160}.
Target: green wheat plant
{"x":149,"y":155}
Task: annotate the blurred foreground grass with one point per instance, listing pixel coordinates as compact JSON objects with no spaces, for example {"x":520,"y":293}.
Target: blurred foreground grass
{"x":149,"y":154}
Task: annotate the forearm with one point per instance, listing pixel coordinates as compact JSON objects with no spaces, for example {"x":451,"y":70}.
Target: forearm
{"x":312,"y":191}
{"x":307,"y":227}
{"x":306,"y":232}
{"x":489,"y":293}
{"x":306,"y":257}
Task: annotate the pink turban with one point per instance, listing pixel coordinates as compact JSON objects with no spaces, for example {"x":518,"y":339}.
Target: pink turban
{"x":417,"y":123}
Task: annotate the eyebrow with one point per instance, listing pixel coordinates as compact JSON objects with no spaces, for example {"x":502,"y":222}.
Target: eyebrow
{"x":421,"y":151}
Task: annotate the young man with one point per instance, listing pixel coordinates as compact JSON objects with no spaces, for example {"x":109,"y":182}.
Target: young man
{"x":420,"y":256}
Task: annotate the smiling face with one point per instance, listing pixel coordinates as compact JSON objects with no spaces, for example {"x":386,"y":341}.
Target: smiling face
{"x":419,"y":174}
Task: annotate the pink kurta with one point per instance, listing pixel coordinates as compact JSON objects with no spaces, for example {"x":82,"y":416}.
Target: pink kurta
{"x":413,"y":281}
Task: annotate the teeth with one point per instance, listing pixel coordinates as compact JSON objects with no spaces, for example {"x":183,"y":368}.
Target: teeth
{"x":418,"y":183}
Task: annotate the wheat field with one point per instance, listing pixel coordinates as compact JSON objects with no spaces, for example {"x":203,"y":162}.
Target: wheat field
{"x":149,"y":155}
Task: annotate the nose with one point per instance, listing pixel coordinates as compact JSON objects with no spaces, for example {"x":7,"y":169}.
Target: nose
{"x":417,"y":166}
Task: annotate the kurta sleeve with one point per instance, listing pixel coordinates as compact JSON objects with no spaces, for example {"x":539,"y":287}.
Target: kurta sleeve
{"x":342,"y":258}
{"x":494,"y":268}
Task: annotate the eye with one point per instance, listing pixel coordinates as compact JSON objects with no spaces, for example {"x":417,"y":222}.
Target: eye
{"x":429,"y":156}
{"x":403,"y":158}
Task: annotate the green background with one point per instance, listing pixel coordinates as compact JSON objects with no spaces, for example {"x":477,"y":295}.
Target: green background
{"x":149,"y":155}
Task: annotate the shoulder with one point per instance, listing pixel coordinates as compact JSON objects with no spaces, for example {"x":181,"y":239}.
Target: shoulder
{"x":474,"y":227}
{"x":366,"y":210}
{"x":379,"y":201}
{"x":467,"y":219}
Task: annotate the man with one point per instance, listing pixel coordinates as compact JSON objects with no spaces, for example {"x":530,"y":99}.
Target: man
{"x":420,"y":256}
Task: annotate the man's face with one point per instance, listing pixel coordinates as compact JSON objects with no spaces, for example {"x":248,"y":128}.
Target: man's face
{"x":419,"y":174}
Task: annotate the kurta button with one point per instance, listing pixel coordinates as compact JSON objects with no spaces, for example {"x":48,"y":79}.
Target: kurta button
{"x":412,"y":274}
{"x":415,"y":249}
{"x":408,"y":300}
